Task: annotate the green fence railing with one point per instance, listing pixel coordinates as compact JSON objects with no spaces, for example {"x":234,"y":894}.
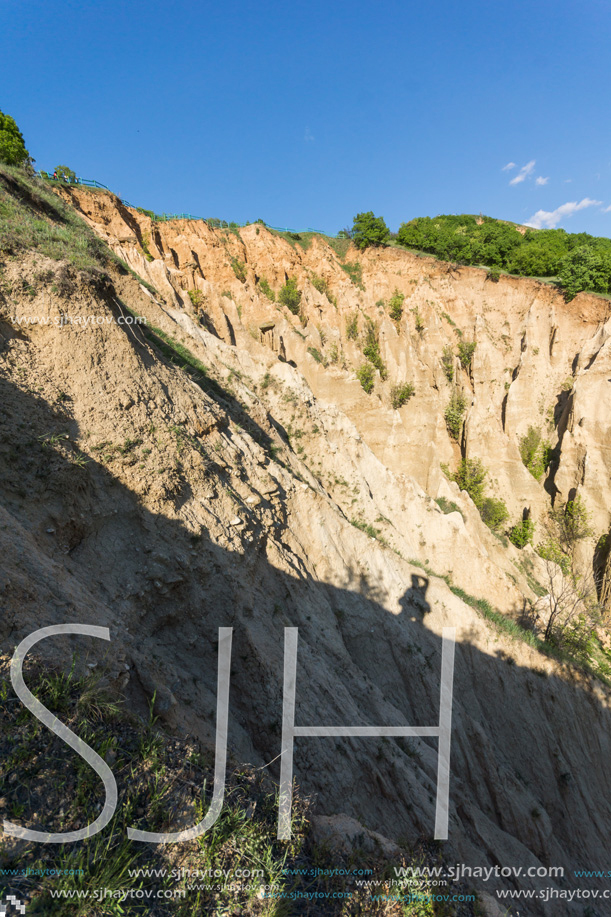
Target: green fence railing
{"x":212,"y":222}
{"x":89,"y":182}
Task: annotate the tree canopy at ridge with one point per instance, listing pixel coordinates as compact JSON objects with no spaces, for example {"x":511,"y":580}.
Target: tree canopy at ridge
{"x":579,"y":261}
{"x":12,"y":144}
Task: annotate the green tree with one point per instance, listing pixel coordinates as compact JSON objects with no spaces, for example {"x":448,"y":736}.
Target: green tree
{"x":536,"y":454}
{"x":368,"y":229}
{"x":586,"y":268}
{"x":65,"y":173}
{"x":454,"y":413}
{"x":471,"y":476}
{"x":290,"y":296}
{"x":352,"y":327}
{"x":400,"y":394}
{"x":366,"y":376}
{"x":372,"y":348}
{"x":466,"y":349}
{"x":447,"y":361}
{"x":569,"y":612}
{"x":494,"y":513}
{"x":572,"y":524}
{"x":12,"y":144}
{"x":522,"y":533}
{"x":551,"y":550}
{"x":395,"y":306}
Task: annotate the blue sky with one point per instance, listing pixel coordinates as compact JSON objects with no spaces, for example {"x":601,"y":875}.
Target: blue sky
{"x":304,"y":113}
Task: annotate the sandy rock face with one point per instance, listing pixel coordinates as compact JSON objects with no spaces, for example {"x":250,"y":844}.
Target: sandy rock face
{"x":538,"y":362}
{"x":261,"y":488}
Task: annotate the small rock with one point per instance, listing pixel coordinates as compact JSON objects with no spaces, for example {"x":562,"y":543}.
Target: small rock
{"x":236,"y":521}
{"x":164,"y":701}
{"x":490,"y":907}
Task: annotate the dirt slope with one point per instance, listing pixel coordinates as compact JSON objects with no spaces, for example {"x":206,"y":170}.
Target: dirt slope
{"x":165,"y":504}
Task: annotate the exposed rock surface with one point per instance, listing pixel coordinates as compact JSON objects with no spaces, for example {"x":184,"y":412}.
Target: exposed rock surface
{"x":165,"y":505}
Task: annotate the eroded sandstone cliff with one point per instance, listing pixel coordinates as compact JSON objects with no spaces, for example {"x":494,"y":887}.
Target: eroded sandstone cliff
{"x":166,"y":502}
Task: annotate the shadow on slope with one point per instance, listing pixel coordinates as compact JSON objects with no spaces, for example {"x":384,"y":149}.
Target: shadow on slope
{"x":530,"y":756}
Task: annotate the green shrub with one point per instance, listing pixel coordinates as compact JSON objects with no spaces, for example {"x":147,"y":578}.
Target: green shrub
{"x":320,"y":284}
{"x":355,"y":273}
{"x":579,"y":261}
{"x":266,"y":289}
{"x":144,"y":245}
{"x":572,"y":524}
{"x":400,"y":394}
{"x":454,"y":413}
{"x":352,"y":327}
{"x":466,"y":349}
{"x":587,"y":267}
{"x":551,"y":550}
{"x":197,"y":298}
{"x":12,"y":144}
{"x":471,"y":476}
{"x":290,"y":296}
{"x":447,"y":361}
{"x":395,"y":306}
{"x":536,"y":454}
{"x":314,"y":352}
{"x":239,"y":269}
{"x":494,"y":513}
{"x":366,"y":376}
{"x":65,"y":173}
{"x":448,"y":506}
{"x":419,"y":322}
{"x":372,"y":348}
{"x":368,"y":229}
{"x":522,"y":533}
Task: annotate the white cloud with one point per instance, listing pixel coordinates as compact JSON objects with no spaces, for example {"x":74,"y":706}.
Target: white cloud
{"x":550,"y":218}
{"x":524,"y":172}
{"x":308,"y":136}
{"x":607,"y":209}
{"x":539,"y":180}
{"x":510,"y":165}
